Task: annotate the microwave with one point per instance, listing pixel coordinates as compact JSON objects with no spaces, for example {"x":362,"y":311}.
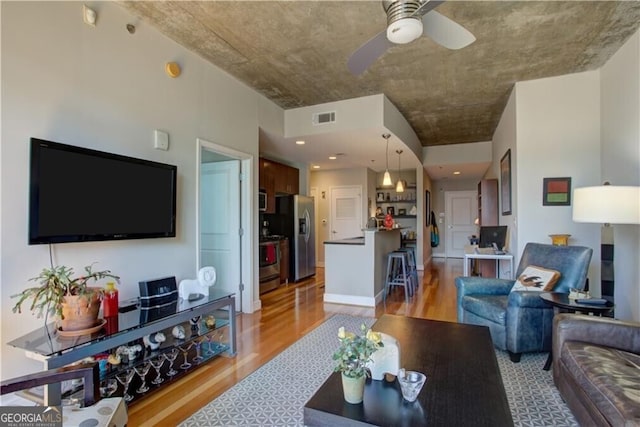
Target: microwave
{"x":262,"y":201}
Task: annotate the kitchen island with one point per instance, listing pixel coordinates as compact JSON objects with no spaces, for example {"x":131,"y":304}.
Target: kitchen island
{"x":355,"y":268}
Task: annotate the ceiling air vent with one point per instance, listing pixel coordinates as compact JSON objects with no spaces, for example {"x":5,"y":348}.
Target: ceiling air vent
{"x":323,"y":118}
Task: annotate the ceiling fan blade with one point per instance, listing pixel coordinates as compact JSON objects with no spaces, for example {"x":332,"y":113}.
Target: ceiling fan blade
{"x":446,"y":32}
{"x":367,"y":54}
{"x":427,"y":6}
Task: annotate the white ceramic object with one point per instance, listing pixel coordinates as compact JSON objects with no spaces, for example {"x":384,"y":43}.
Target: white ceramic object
{"x":385,"y":360}
{"x":206,"y":279}
{"x":153,"y":341}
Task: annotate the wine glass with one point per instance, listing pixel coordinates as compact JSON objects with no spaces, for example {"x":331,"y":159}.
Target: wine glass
{"x":142,"y":370}
{"x":108,"y":387}
{"x":125,"y":378}
{"x":219,"y":345}
{"x":185,"y":364}
{"x":157,"y":364}
{"x":171,"y":356}
{"x":198,"y":344}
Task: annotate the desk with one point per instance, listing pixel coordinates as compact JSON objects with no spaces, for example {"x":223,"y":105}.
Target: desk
{"x":463,"y":387}
{"x":470,"y":254}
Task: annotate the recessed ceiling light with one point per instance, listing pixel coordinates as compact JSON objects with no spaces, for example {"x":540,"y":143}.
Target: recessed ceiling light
{"x":300,"y":142}
{"x":456,"y":173}
{"x":316,"y":167}
{"x":332,"y":157}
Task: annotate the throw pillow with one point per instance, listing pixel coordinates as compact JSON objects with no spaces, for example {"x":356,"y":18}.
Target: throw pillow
{"x":535,"y":278}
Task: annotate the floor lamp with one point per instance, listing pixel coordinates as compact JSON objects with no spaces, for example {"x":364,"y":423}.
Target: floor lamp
{"x":607,"y":204}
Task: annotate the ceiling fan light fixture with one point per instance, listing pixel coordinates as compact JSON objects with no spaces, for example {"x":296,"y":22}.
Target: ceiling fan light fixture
{"x":404,"y":30}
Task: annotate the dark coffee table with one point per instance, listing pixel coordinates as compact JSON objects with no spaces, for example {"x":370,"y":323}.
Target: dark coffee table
{"x":463,"y":387}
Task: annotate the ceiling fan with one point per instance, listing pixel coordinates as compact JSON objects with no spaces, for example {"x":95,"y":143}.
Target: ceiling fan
{"x":406,"y":20}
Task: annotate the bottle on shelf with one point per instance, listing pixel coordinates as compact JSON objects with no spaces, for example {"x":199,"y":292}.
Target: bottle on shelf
{"x":110,"y":301}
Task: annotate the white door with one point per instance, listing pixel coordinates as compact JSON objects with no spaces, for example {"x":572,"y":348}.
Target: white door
{"x":220,"y":223}
{"x":461,"y":210}
{"x":346,"y":212}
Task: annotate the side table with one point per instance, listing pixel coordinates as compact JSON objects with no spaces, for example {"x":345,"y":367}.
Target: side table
{"x":562,"y":304}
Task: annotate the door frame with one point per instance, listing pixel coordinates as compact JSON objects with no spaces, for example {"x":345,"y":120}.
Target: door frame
{"x":248,"y":244}
{"x":447,"y":215}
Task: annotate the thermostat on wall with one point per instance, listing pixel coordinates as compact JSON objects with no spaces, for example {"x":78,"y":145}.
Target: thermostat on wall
{"x":161,"y":140}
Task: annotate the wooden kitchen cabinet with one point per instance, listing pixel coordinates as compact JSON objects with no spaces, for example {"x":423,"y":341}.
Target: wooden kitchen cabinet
{"x":266,"y":179}
{"x":277,"y":179}
{"x":286,"y":179}
{"x":284,"y":260}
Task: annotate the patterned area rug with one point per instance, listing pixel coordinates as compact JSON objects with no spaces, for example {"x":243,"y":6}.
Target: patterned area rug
{"x":274,"y":395}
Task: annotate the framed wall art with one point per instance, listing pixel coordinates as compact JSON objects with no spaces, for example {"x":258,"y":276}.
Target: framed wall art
{"x":556,"y":191}
{"x":505,"y":182}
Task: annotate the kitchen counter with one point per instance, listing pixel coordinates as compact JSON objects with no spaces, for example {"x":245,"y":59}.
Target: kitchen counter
{"x":355,"y":267}
{"x":348,"y":241}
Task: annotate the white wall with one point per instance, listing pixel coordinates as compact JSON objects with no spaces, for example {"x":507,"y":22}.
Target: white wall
{"x":106,"y":89}
{"x":586,"y":126}
{"x":558,"y":135}
{"x":620,"y":150}
{"x":323,"y":181}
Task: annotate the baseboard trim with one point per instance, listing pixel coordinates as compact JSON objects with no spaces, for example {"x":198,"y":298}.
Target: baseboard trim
{"x":350,"y":300}
{"x":257,"y":305}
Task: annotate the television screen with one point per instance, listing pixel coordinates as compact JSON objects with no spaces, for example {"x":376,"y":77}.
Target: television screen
{"x":78,"y":194}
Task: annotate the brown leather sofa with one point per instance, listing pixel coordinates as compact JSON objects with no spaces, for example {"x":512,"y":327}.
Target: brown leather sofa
{"x":596,"y":367}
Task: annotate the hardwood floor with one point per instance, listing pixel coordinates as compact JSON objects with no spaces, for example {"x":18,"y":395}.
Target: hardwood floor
{"x":287,"y":314}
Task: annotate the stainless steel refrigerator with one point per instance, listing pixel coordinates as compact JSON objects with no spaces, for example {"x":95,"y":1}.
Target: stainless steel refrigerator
{"x":296,"y":221}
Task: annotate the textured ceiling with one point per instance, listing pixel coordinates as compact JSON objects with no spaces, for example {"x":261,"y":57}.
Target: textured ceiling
{"x":295,"y":53}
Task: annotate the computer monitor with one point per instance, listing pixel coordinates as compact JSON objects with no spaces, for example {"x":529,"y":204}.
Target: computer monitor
{"x":495,"y":234}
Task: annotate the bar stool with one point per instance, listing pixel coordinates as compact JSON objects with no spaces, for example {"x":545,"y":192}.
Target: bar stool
{"x":413,"y":269}
{"x":398,"y":274}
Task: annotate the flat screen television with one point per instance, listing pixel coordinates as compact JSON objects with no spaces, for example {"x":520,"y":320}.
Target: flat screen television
{"x":493,"y":234}
{"x":78,"y":195}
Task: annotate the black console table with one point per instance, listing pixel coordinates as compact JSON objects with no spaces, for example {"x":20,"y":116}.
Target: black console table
{"x":47,"y":345}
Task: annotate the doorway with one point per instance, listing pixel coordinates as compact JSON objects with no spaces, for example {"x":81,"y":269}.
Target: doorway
{"x":224,"y":225}
{"x":461,"y":209}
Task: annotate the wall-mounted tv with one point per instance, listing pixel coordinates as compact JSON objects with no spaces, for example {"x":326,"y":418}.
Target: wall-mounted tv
{"x":78,"y":195}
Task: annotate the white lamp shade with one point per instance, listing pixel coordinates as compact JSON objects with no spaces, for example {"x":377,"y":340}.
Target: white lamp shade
{"x":400,"y":186}
{"x":386,"y":180}
{"x":607,"y":204}
{"x":404,"y":30}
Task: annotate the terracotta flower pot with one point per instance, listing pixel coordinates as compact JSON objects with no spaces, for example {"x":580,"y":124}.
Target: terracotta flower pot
{"x":80,"y":311}
{"x":353,"y":389}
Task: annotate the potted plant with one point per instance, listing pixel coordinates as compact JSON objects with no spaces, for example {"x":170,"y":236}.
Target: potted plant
{"x":70,"y":298}
{"x":352,"y":357}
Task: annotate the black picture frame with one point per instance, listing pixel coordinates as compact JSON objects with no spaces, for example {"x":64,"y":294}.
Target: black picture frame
{"x":505,"y":183}
{"x":427,"y":208}
{"x":556,"y":191}
{"x":391,"y":210}
{"x":379,"y":197}
{"x":402,"y":211}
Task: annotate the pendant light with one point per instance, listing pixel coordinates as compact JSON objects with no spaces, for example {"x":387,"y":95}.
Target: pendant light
{"x":400,"y":185}
{"x":386,"y":180}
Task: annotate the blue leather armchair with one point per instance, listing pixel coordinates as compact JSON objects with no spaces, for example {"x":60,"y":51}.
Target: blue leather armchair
{"x":521,"y":321}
